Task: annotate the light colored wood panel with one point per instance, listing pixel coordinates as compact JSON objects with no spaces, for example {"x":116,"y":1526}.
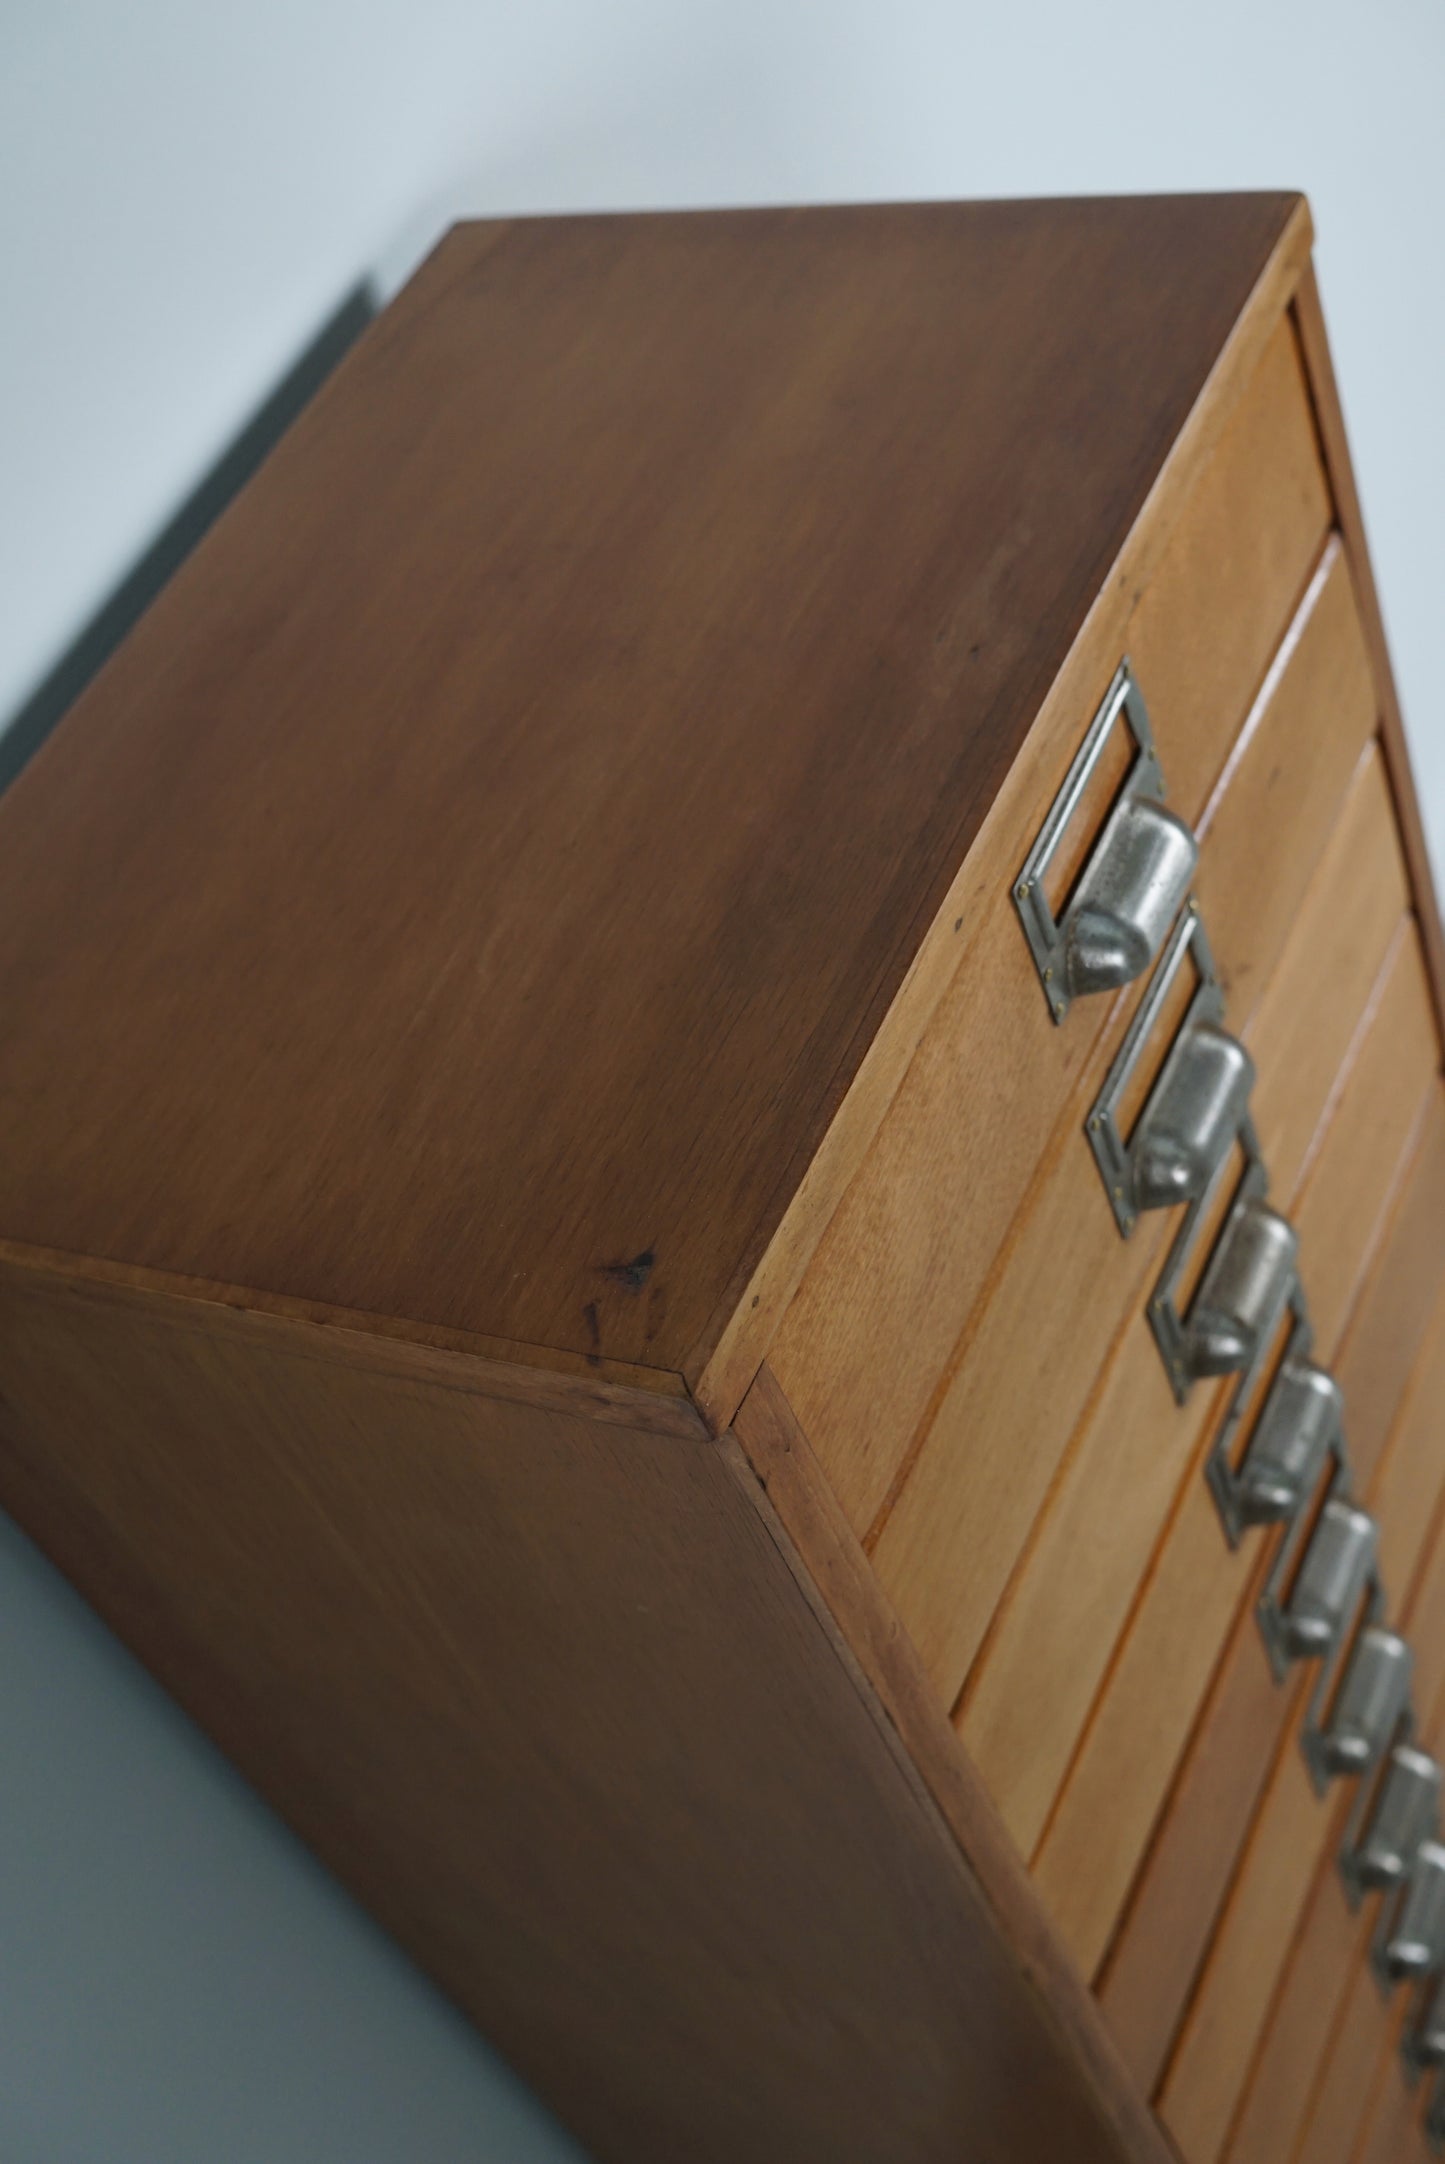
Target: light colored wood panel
{"x":1229,"y":550}
{"x":754,"y":1308}
{"x":1310,"y":324}
{"x":1204,"y":2078}
{"x":1031,"y":1688}
{"x":1157,"y":1953}
{"x":1345,"y":2085}
{"x":1414,"y":1464}
{"x":1291,"y":769}
{"x":1038,"y":1673}
{"x":955,"y":1533}
{"x":1109,"y":1802}
{"x":1381,"y":1099}
{"x":1119,"y":1780}
{"x":1302,"y":1032}
{"x":1290,"y":2039}
{"x":1395,"y":2132}
{"x":910,"y":1249}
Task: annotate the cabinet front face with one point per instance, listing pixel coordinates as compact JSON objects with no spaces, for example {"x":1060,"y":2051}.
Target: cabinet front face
{"x":1086,"y":1537}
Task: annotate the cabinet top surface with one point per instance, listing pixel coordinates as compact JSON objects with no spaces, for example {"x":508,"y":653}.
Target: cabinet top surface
{"x":470,"y":891}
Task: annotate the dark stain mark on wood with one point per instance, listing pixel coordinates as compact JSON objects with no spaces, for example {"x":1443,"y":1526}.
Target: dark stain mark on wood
{"x":631,"y":1275}
{"x":594,"y":1333}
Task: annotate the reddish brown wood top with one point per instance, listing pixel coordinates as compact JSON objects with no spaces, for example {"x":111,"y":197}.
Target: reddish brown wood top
{"x":470,"y":891}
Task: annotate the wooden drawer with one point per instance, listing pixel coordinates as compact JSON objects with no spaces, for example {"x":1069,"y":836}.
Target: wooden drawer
{"x":555,"y":1279}
{"x":1025,"y":1711}
{"x":1068,"y":1286}
{"x":914,"y":1257}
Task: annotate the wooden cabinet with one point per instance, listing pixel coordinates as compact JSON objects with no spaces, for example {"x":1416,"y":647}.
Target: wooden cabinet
{"x":556,"y":1283}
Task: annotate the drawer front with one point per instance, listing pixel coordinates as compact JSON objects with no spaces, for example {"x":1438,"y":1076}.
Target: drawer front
{"x":1103,"y":1820}
{"x":1316,"y":1972}
{"x":1195,"y":1849}
{"x":994,"y":1093}
{"x":1286,"y":1874}
{"x":1025,"y":1710}
{"x":1068,"y":1298}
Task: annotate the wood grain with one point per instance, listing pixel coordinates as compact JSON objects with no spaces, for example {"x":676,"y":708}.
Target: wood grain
{"x":1383,"y":1092}
{"x":749,"y":1315}
{"x":993,"y":1091}
{"x":1030,"y":1693}
{"x":547,"y":1695}
{"x":1316,"y":696}
{"x":1345,"y":2090}
{"x":1394,"y":2134}
{"x":1236,"y":548}
{"x":1414,"y":1459}
{"x":839,"y":1578}
{"x":1332,"y":1942}
{"x":1286,"y":2056}
{"x":1290,"y":1859}
{"x":1310,"y":323}
{"x":1068,"y":1288}
{"x":1111,"y":1801}
{"x":1318,"y":2102}
{"x":610,"y":671}
{"x":1250,"y":1947}
{"x":1194,"y":1851}
{"x":1302,"y":1032}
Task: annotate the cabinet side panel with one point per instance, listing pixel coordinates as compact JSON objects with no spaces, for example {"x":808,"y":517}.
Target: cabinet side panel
{"x":549,"y":1696}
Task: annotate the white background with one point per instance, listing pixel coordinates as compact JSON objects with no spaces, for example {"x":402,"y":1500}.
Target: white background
{"x":185,"y":193}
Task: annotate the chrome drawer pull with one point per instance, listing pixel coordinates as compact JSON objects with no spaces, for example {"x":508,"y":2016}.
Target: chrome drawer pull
{"x":1403,"y":1814}
{"x":1413,"y":1945}
{"x":1192,"y":1117}
{"x":1244,"y":1293}
{"x":1129,"y":896}
{"x":1197,"y":1104}
{"x":1298,"y":1438}
{"x":1333,"y":1575}
{"x":1301,"y":1422}
{"x":1136,"y":878}
{"x":1370,"y":1705}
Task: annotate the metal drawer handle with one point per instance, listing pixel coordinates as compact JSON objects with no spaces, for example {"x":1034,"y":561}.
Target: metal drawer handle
{"x":1135,"y":881}
{"x":1406,"y":1804}
{"x":1336,"y":1567}
{"x":1192,"y":1117}
{"x":1130,"y":894}
{"x":1244,"y":1293}
{"x":1413,"y":1945}
{"x":1371,"y":1703}
{"x":1199,"y":1099}
{"x":1301,"y":1422}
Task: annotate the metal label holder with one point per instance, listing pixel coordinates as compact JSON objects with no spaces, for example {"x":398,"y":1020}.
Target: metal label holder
{"x":1166,"y":1319}
{"x":1044,"y":932}
{"x":1112,"y":1153}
